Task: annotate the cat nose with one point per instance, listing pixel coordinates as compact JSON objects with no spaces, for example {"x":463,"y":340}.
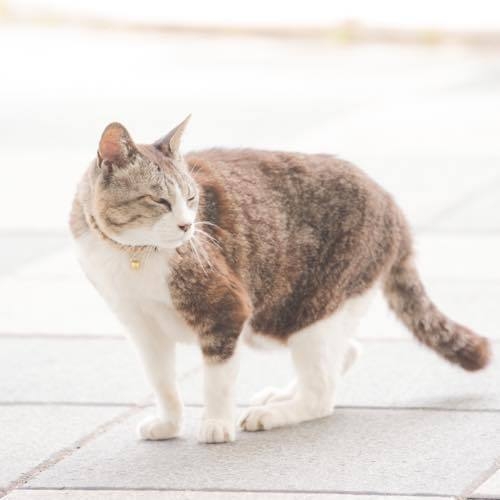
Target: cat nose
{"x":184,"y":227}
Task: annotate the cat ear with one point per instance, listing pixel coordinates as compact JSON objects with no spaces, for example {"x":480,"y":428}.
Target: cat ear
{"x":116,"y":147}
{"x":170,"y":144}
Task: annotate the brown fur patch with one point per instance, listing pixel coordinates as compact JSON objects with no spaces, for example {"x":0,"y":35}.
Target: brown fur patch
{"x":214,"y":303}
{"x":307,"y":232}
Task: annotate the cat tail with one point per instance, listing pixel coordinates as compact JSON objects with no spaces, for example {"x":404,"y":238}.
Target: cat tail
{"x":408,"y":299}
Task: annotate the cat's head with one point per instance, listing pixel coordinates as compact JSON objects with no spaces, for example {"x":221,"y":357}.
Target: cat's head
{"x":143,"y":194}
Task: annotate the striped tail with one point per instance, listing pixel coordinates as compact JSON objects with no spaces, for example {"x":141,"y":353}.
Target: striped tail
{"x":408,"y":299}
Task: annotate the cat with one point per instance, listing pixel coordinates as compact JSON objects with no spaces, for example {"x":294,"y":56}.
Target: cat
{"x":272,"y":248}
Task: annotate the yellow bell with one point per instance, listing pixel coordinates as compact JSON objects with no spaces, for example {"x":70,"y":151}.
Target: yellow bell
{"x":135,"y":264}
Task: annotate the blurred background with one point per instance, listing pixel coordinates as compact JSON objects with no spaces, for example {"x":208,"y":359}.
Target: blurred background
{"x":409,"y":91}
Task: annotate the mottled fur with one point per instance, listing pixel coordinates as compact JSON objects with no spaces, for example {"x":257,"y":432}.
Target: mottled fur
{"x":312,"y":231}
{"x":282,"y":241}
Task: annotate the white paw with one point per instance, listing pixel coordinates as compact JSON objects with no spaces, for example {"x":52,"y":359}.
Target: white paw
{"x":154,"y":428}
{"x":271,"y":395}
{"x":262,"y":418}
{"x":216,"y":431}
{"x":270,"y":416}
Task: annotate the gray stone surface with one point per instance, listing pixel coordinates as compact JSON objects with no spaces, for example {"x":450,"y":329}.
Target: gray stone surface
{"x":193,"y":495}
{"x":90,"y":370}
{"x":389,"y":373}
{"x":355,"y":451}
{"x":30,"y":434}
{"x":407,"y":374}
{"x":490,"y":488}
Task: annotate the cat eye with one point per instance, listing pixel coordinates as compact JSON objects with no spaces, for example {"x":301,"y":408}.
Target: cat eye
{"x":165,"y":203}
{"x":192,"y":198}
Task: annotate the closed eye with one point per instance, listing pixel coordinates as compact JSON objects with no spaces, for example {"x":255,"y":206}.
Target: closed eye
{"x":165,"y":203}
{"x":192,"y":198}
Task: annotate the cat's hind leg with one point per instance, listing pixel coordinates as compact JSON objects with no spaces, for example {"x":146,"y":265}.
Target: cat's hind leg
{"x":314,"y":362}
{"x":275,"y":394}
{"x":321,"y":352}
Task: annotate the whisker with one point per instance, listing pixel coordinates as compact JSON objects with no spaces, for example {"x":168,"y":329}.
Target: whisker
{"x":211,"y":239}
{"x":197,"y":256}
{"x":208,"y":223}
{"x":203,"y":252}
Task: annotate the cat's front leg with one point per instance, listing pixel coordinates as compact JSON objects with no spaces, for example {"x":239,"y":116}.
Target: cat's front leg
{"x":157,"y":352}
{"x":218,"y":423}
{"x":216,"y":307}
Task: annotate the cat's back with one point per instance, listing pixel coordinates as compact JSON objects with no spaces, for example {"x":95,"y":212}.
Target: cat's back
{"x":260,"y":165}
{"x":301,"y":222}
{"x":312,"y":182}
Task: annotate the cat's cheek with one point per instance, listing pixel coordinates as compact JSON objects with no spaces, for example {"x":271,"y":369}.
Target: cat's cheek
{"x":165,"y":232}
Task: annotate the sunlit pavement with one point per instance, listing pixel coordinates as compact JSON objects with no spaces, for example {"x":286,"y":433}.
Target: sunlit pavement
{"x":423,"y":121}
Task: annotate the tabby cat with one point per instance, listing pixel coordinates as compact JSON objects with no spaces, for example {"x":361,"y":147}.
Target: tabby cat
{"x":229,"y":245}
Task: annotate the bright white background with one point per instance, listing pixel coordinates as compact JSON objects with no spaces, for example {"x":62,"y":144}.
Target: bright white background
{"x":398,"y":109}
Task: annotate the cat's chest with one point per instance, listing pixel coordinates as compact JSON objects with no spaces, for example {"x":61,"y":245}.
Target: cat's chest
{"x":111,"y":272}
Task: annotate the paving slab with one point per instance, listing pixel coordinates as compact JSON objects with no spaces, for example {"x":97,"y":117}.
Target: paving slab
{"x":398,"y":374}
{"x":91,"y":371}
{"x":193,"y":495}
{"x":100,"y":371}
{"x":420,"y":456}
{"x":31,"y":434}
{"x":490,"y":488}
{"x":407,"y":374}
